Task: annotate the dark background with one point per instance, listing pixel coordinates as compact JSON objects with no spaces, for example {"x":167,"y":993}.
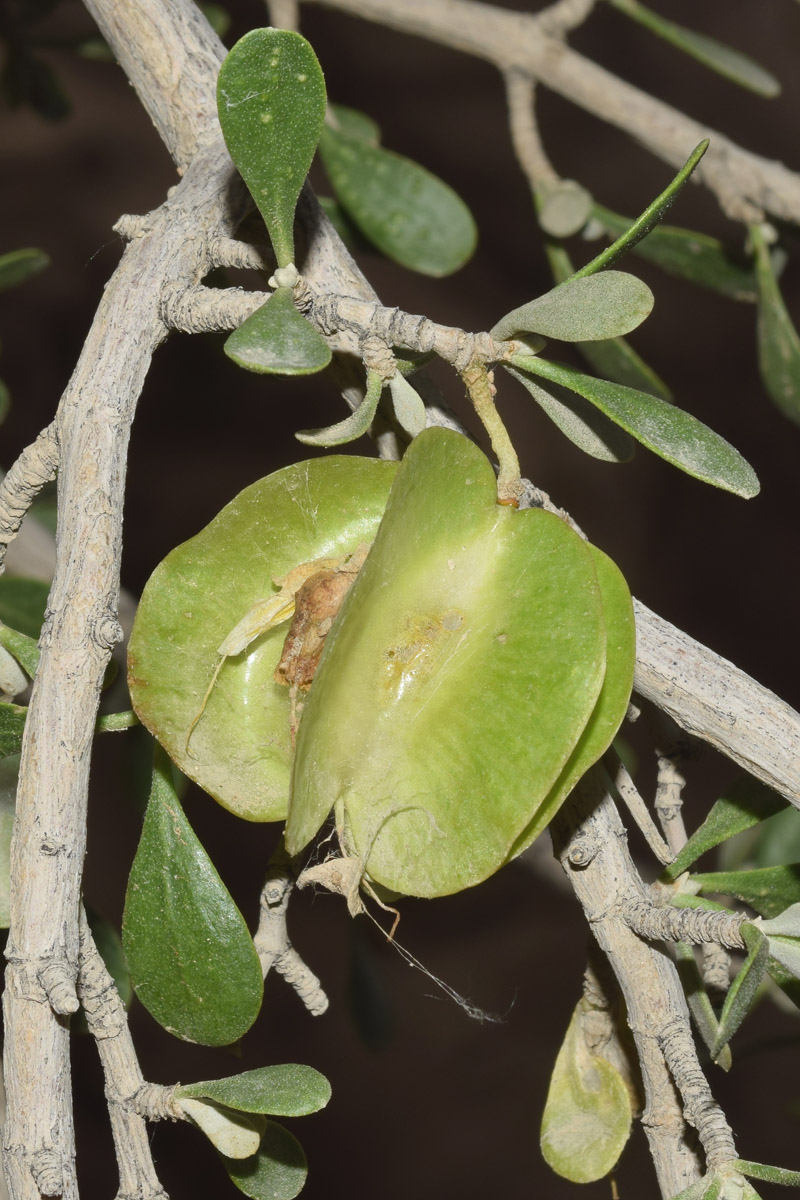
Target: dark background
{"x":448,"y":1107}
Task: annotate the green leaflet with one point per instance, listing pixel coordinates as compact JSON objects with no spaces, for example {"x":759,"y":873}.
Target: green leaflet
{"x":271,"y":103}
{"x":746,"y":803}
{"x":352,"y":427}
{"x":700,"y":1006}
{"x":18,"y":265}
{"x":696,"y":257}
{"x":584,"y":425}
{"x":587,"y":1115}
{"x":277,"y":1172}
{"x":191,"y":957}
{"x":769,"y":1174}
{"x":582,"y":309}
{"x":22,"y":606}
{"x":404,"y":210}
{"x":742,"y":991}
{"x":235,"y":1135}
{"x":240,"y":749}
{"x":769,"y":890}
{"x":668,"y":431}
{"x":778,"y":341}
{"x":286,"y":1090}
{"x":732,"y":64}
{"x":409,"y":407}
{"x":564,"y":207}
{"x":12,"y":727}
{"x":464,"y":608}
{"x":278,"y":340}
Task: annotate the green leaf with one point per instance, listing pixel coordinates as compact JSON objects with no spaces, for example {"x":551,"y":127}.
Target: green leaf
{"x":9,"y":776}
{"x":769,"y":1174}
{"x":13,"y":680}
{"x":278,"y":340}
{"x":236,"y":1135}
{"x":277,"y":1172}
{"x":579,"y":421}
{"x":778,"y":341}
{"x":271,"y":103}
{"x":698,"y":1190}
{"x":732,"y":64}
{"x":12,"y":727}
{"x":354,"y":124}
{"x":410,"y":215}
{"x":19,"y":265}
{"x":352,"y":427}
{"x":23,"y":648}
{"x":287,"y":1090}
{"x":464,"y":611}
{"x":648,"y":219}
{"x":192,"y":960}
{"x":240,"y":750}
{"x":776,"y":841}
{"x":786,"y":980}
{"x":742,"y":991}
{"x":563,"y":208}
{"x":769,"y":890}
{"x":582,"y":309}
{"x":615,"y":358}
{"x":700,"y":1006}
{"x":218,"y":18}
{"x":668,"y":431}
{"x":786,"y":923}
{"x":587,"y":1115}
{"x":409,"y":407}
{"x":687,"y":254}
{"x":22,"y":606}
{"x":745,"y":803}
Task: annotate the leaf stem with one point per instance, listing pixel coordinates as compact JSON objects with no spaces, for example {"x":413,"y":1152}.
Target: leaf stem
{"x":478,"y":382}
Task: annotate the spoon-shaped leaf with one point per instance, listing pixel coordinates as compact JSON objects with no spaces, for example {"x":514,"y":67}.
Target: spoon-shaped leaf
{"x":192,"y":961}
{"x":352,"y":427}
{"x":409,"y":407}
{"x":580,"y":421}
{"x":778,"y":342}
{"x":563,"y":208}
{"x":732,"y":64}
{"x":582,"y":309}
{"x":18,"y":265}
{"x":240,"y":748}
{"x":668,"y":431}
{"x":409,"y":214}
{"x":648,"y":219}
{"x":277,"y":340}
{"x":464,"y":612}
{"x":696,"y":257}
{"x":271,"y":103}
{"x":277,"y":1172}
{"x":234,"y":1134}
{"x":587,"y":1116}
{"x":285,"y":1090}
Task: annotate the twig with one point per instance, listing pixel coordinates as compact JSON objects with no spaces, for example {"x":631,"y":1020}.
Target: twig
{"x":629,"y":794}
{"x":525,"y":137}
{"x":35,"y":467}
{"x":274,"y":947}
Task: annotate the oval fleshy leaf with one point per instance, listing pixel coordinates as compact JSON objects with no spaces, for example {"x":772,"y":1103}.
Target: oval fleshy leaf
{"x":277,"y":1172}
{"x":409,"y":407}
{"x":404,"y":210}
{"x":278,"y":340}
{"x":564,"y":208}
{"x":778,"y":341}
{"x":725,"y":60}
{"x":587,"y":1116}
{"x":580,"y":421}
{"x":234,"y":1134}
{"x":668,"y":431}
{"x":589,"y":309}
{"x":192,"y":961}
{"x":687,"y":254}
{"x":285,"y":1090}
{"x":240,"y":748}
{"x":464,"y":611}
{"x":352,"y":427}
{"x":19,"y":265}
{"x":271,"y":103}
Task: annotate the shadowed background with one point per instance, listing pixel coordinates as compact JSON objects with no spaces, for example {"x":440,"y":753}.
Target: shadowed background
{"x":440,"y":1106}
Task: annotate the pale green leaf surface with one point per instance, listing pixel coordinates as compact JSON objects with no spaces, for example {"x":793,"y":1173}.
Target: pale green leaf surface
{"x":352,"y":427}
{"x":581,"y":422}
{"x":648,"y":219}
{"x":787,"y":952}
{"x":404,"y":210}
{"x":278,"y":340}
{"x":563,"y":208}
{"x":742,"y":991}
{"x":409,"y":407}
{"x":284,"y":1090}
{"x":13,"y":680}
{"x":240,"y":749}
{"x":698,"y":1190}
{"x":687,"y":254}
{"x":778,"y":341}
{"x":587,"y":1115}
{"x":12,"y":727}
{"x":786,"y":923}
{"x":277,"y":1172}
{"x":594,"y":308}
{"x":769,"y":890}
{"x":9,"y":774}
{"x":271,"y":103}
{"x":700,"y":1006}
{"x":668,"y":431}
{"x":769,"y":1174}
{"x":739,"y":68}
{"x":464,"y":611}
{"x":746,"y":803}
{"x":24,"y":649}
{"x":353,"y":123}
{"x":234,"y":1134}
{"x":18,"y":265}
{"x":192,"y":960}
{"x":22,"y":604}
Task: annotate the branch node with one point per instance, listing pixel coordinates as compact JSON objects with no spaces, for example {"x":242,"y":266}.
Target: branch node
{"x":46,"y":1169}
{"x":58,"y":980}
